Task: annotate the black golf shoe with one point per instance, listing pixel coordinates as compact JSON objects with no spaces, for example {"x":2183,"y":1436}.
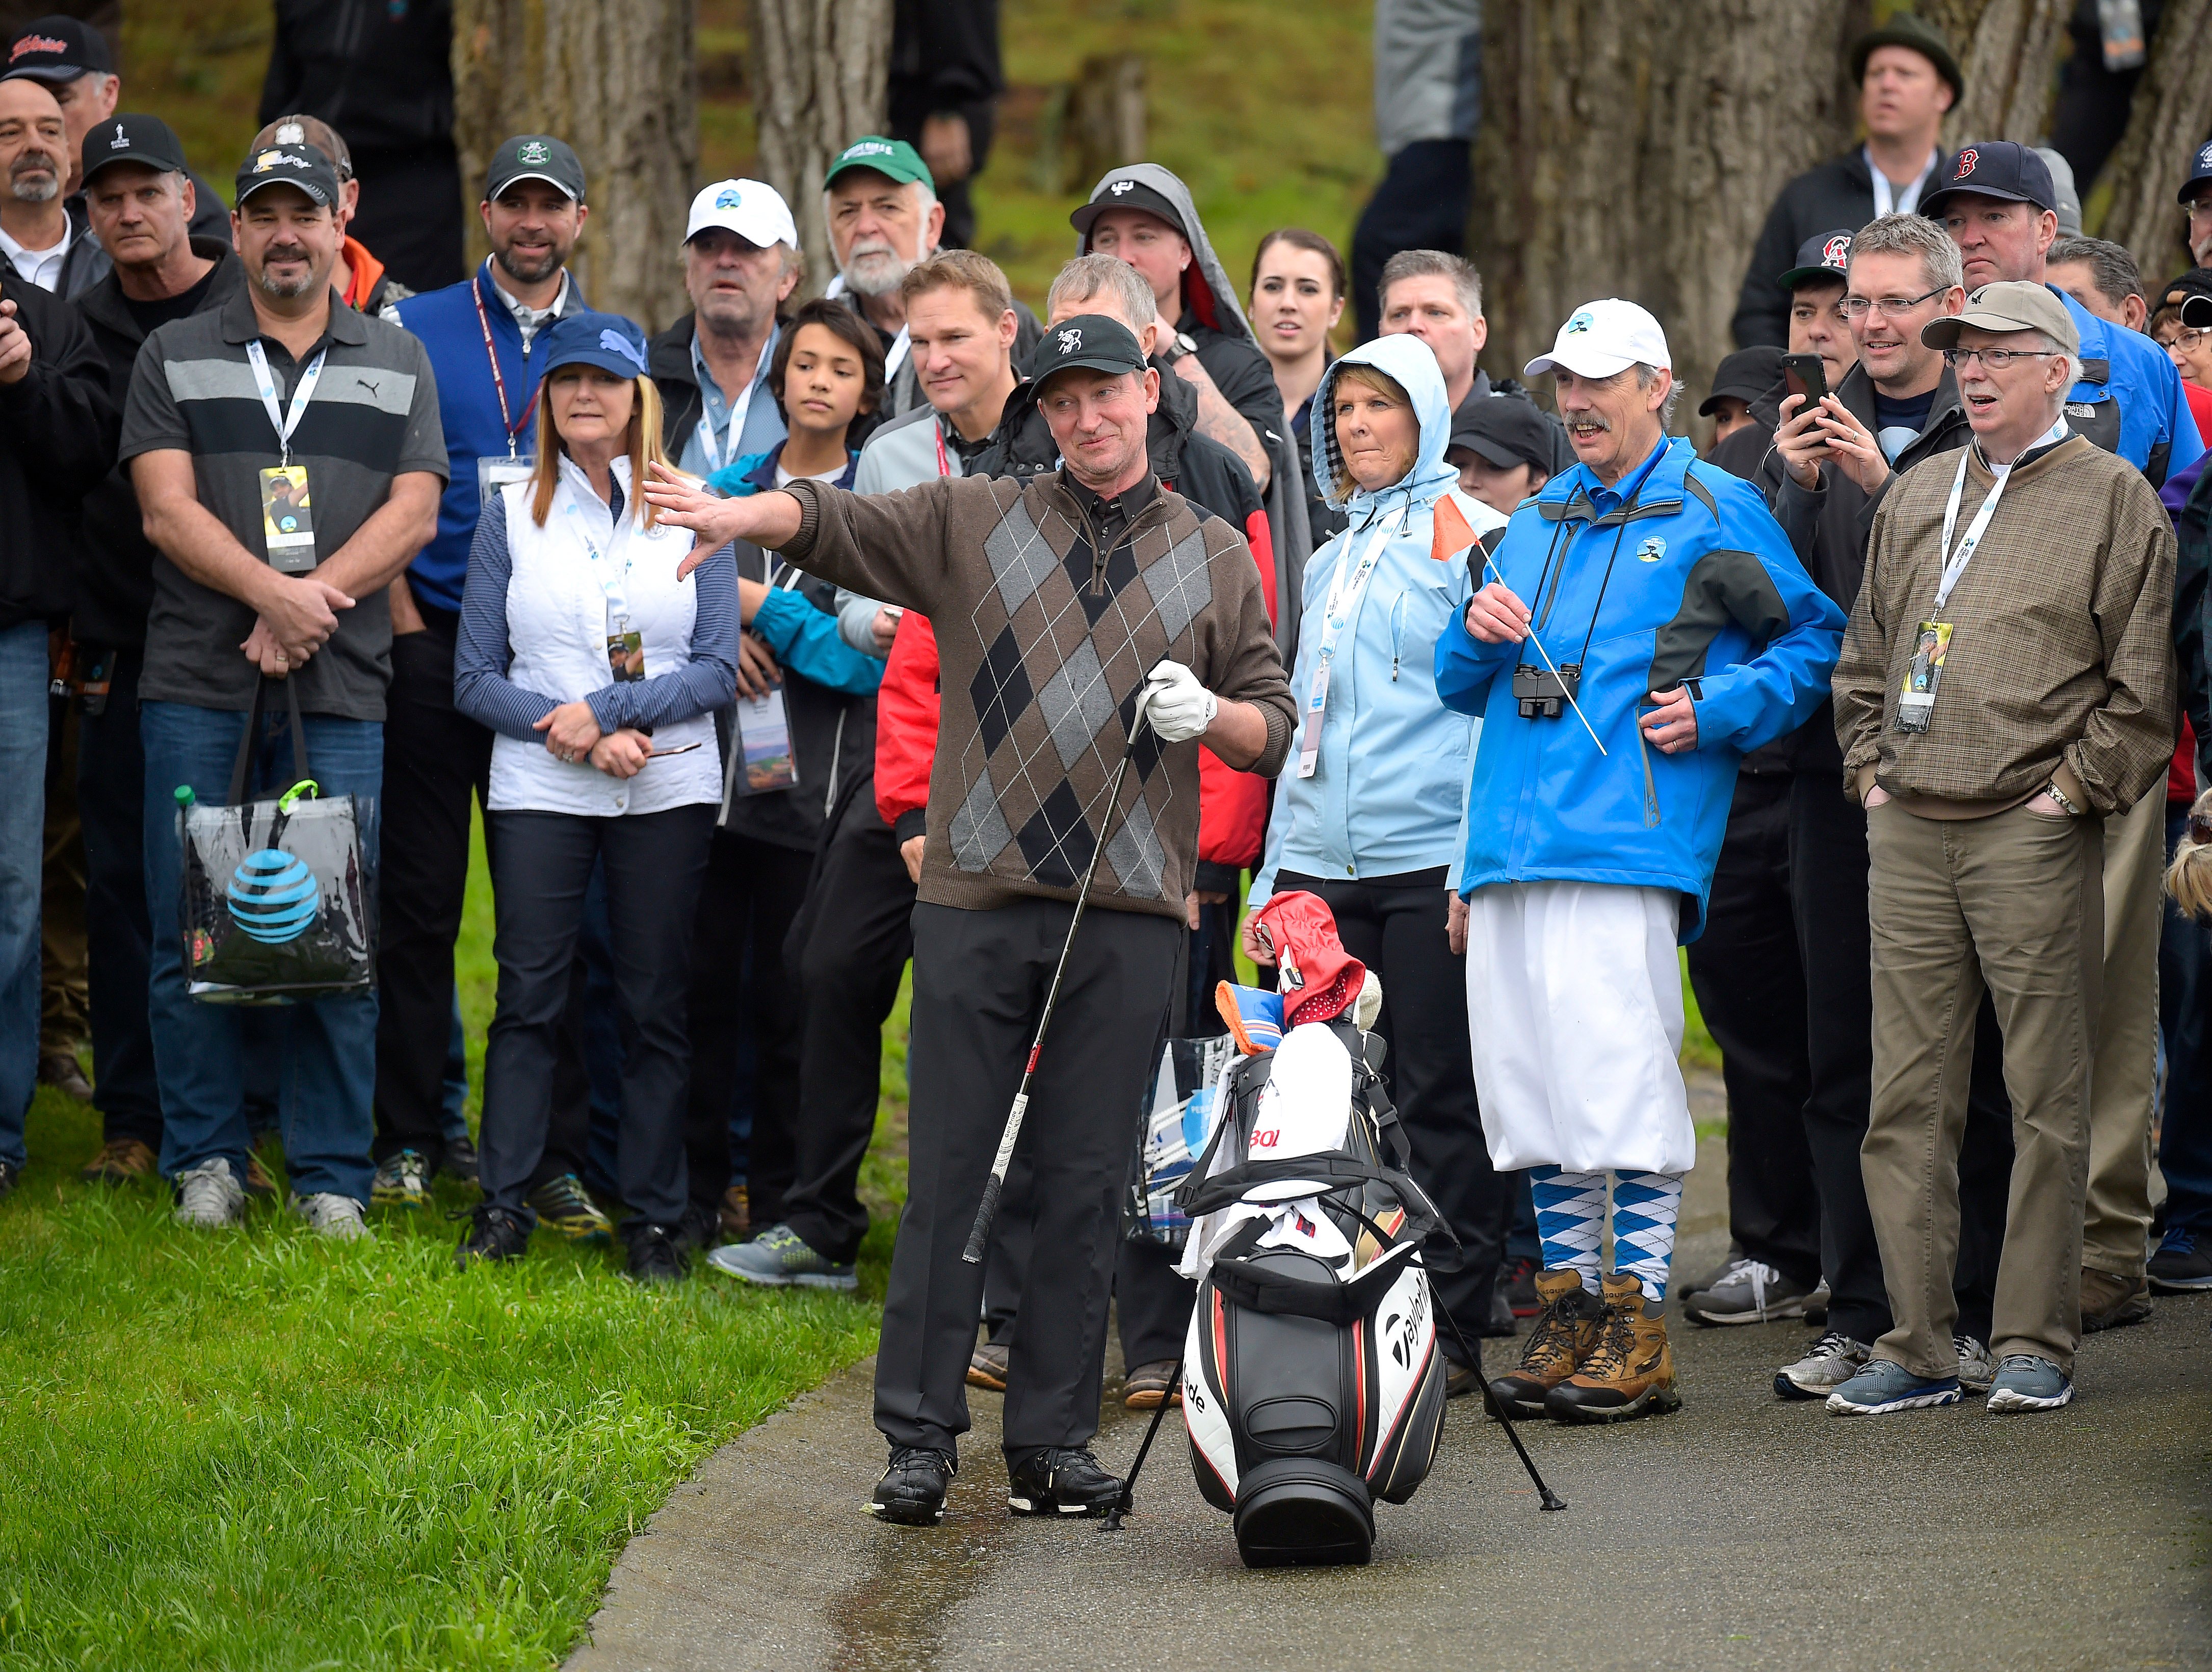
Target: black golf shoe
{"x":1061,"y":1482}
{"x":912,"y":1491}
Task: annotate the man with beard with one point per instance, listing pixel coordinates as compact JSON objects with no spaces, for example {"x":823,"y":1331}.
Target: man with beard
{"x":34,"y":232}
{"x":880,"y":201}
{"x":284,"y":373}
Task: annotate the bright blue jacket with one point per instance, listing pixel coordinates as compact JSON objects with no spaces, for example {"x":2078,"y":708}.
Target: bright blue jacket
{"x":1703,"y":587}
{"x":1385,"y":798}
{"x":2136,"y":407}
{"x":802,"y":636}
{"x":468,"y":407}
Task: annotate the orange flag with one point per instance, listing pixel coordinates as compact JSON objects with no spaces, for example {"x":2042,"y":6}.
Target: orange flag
{"x":1452,"y":535}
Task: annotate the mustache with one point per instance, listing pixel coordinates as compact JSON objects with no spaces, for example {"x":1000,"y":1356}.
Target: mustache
{"x":31,"y":160}
{"x":1589,"y":415}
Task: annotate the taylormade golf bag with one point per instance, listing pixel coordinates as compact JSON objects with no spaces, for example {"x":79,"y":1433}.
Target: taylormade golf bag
{"x":1312,"y":1384}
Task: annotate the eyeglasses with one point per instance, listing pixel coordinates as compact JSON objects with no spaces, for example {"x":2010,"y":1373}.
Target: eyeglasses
{"x":2188,"y":337}
{"x":1858,"y":308}
{"x":1996,"y":358}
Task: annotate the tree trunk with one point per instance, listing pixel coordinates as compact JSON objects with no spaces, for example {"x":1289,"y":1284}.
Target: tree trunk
{"x":819,"y":68}
{"x":2009,"y":50}
{"x":618,"y":83}
{"x":2173,"y":114}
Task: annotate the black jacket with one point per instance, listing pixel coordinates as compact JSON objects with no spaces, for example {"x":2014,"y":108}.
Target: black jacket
{"x":1839,"y":193}
{"x":380,"y":74}
{"x":115,"y":560}
{"x":58,"y":428}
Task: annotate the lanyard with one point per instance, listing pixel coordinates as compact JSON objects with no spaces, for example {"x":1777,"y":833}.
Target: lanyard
{"x":1955,"y":564}
{"x":708,"y":444}
{"x":944,"y":465}
{"x":895,"y":356}
{"x":513,"y":424}
{"x":304,"y":392}
{"x":1886,"y":198}
{"x":1345,"y":593}
{"x":617,"y":589}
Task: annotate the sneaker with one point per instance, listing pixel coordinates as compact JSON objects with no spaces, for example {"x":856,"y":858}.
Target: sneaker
{"x":912,"y":1491}
{"x":2180,"y":1266}
{"x":1630,"y":1372}
{"x":403,"y":1179}
{"x":1816,"y":1307}
{"x":986,"y":1367}
{"x":338,"y":1217}
{"x":496,"y":1235}
{"x":780,"y":1257}
{"x":564,"y":1207}
{"x":1835,"y":1359}
{"x":1884,"y":1386}
{"x":1517,"y":1278}
{"x":1565,"y":1331}
{"x":1146,"y":1387}
{"x":736,"y":1214}
{"x":1749,"y":1292}
{"x":61,"y":1071}
{"x":257,"y":1182}
{"x":460,"y":1160}
{"x":209,"y":1197}
{"x":1977,"y":1370}
{"x":1061,"y":1481}
{"x":121,"y":1161}
{"x":2108,"y":1302}
{"x":655,"y":1256}
{"x":2026,"y":1381}
{"x":9,"y":1172}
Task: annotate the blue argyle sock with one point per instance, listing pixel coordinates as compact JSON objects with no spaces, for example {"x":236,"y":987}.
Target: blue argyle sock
{"x":1570,"y":1220}
{"x":1644,"y":1206}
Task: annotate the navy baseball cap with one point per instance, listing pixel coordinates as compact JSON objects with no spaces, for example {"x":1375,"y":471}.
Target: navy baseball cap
{"x":58,"y":49}
{"x":1825,"y":255}
{"x":1996,"y":168}
{"x":302,"y":166}
{"x":2200,"y":172}
{"x":1091,"y":341}
{"x":591,"y":338}
{"x":1744,"y":375}
{"x":146,"y":140}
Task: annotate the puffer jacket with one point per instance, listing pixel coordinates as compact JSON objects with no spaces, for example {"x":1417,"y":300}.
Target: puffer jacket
{"x":1391,"y":774}
{"x":1678,"y":574}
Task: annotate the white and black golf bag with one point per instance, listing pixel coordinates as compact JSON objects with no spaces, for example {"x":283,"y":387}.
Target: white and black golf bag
{"x":1312,"y":1384}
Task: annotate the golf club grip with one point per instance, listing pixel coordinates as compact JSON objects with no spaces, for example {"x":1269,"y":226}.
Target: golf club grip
{"x":980,"y":1237}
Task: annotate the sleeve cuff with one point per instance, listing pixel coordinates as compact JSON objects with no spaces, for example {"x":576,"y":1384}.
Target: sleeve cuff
{"x":913,"y":821}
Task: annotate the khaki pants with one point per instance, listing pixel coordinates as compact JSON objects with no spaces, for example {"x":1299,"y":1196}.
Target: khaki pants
{"x":2013,"y":904}
{"x":2116,"y":1229}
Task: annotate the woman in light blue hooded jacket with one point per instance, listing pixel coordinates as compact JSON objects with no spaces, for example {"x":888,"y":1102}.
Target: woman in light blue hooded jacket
{"x":1369,"y":813}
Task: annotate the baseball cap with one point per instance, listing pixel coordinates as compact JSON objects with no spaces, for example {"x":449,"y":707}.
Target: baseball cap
{"x":1120,"y":192}
{"x":2197,"y":312}
{"x":2200,"y":171}
{"x":1744,"y":375}
{"x":2008,"y":304}
{"x":1600,"y":338}
{"x":2177,"y":291}
{"x":58,"y":49}
{"x":588,"y":337}
{"x":302,"y":166}
{"x":1093,"y":342}
{"x":132,"y":138}
{"x":753,"y":210}
{"x":535,"y":157}
{"x":1506,"y":430}
{"x":1996,"y":168}
{"x":894,"y":159}
{"x":1917,"y":34}
{"x":304,"y":129}
{"x":1825,"y":255}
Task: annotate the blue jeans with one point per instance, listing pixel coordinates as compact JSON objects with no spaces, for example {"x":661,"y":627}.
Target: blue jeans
{"x":2185,"y":990}
{"x":22,"y":849}
{"x":322,"y":1055}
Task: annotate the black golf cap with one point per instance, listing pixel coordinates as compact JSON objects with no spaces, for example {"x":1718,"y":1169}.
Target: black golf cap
{"x":1744,"y":375}
{"x":302,"y":166}
{"x":1505,"y":430}
{"x":2200,"y":173}
{"x":1120,"y":192}
{"x":535,"y":157}
{"x":1092,"y":342}
{"x":1996,"y":168}
{"x":1916,"y":34}
{"x":1825,"y":257}
{"x":2196,"y":312}
{"x":145,"y":140}
{"x":58,"y":49}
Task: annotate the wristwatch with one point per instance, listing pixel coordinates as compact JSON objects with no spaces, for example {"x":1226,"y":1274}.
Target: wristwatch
{"x":1177,"y":346}
{"x":2058,"y":795}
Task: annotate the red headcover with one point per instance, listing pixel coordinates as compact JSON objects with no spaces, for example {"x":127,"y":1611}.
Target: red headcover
{"x":1318,"y":979}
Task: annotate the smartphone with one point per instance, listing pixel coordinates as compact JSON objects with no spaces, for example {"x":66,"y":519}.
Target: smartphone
{"x":1805,"y":375}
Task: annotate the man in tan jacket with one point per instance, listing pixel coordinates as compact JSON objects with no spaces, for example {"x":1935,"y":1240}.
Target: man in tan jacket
{"x":2007,"y":680}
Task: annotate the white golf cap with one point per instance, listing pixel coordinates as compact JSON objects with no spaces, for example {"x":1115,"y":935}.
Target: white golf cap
{"x":753,"y":210}
{"x":1602,"y":337}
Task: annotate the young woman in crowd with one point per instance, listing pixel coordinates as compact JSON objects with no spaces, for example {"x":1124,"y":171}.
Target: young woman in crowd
{"x":827,"y":378}
{"x":1367,"y":810}
{"x":1298,"y":297}
{"x":599,"y":670}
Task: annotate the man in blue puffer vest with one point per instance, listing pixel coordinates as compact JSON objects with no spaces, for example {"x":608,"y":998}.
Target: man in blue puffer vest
{"x":1669,"y":629}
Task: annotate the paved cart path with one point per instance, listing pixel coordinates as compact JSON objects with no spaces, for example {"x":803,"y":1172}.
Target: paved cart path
{"x":1741,"y":1532}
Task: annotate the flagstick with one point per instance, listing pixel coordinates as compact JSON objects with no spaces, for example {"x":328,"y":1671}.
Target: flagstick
{"x":1548,"y":663}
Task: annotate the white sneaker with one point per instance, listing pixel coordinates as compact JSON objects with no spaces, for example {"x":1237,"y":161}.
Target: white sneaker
{"x":209,"y":1197}
{"x":1977,"y":1368}
{"x":335,"y":1217}
{"x":1834,"y":1360}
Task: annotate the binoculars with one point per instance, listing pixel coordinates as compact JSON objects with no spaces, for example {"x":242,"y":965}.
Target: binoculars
{"x":1544,"y":695}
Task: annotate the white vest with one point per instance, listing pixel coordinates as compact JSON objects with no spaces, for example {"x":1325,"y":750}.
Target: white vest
{"x":558,"y":615}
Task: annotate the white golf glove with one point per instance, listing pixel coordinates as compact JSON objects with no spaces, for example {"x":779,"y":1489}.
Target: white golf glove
{"x":1179,"y":707}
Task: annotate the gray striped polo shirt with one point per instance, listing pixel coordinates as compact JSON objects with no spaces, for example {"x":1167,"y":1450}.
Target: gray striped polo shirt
{"x":375,"y":416}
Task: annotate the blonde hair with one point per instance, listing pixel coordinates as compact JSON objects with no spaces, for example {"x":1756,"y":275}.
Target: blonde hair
{"x":1359,"y":372}
{"x":646,"y":448}
{"x":2189,"y":879}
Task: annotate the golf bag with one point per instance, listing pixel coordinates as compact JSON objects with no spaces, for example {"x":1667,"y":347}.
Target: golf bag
{"x":1312,"y":1382}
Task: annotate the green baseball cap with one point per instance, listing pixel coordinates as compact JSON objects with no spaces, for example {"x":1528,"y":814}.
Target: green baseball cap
{"x":894,"y":159}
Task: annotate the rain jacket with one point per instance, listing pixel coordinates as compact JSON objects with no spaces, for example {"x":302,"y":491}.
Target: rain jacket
{"x":1386,"y":796}
{"x":1678,"y":574}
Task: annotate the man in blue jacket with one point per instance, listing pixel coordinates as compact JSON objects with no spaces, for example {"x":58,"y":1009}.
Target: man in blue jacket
{"x":1669,"y":628}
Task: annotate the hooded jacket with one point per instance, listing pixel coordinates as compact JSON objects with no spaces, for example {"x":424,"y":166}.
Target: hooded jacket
{"x":1212,"y":318}
{"x":1385,"y":798}
{"x":1677,"y":574}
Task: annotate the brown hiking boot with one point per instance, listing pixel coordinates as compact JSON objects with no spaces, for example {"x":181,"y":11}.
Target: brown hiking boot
{"x":1565,"y":1331}
{"x":735,"y":1214}
{"x":121,"y":1160}
{"x":257,"y":1182}
{"x":1631,"y":1370}
{"x":2108,"y":1301}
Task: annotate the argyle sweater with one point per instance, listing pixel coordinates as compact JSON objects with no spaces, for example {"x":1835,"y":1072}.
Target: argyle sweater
{"x":1044,"y":641}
